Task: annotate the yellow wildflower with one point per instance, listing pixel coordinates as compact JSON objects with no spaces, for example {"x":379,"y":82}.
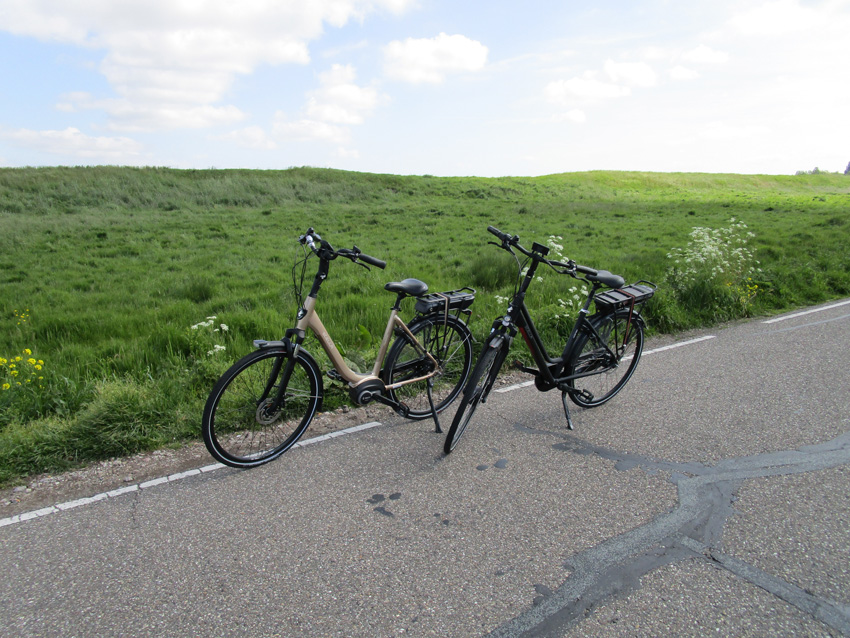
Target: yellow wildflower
{"x":31,"y":361}
{"x":6,"y":386}
{"x":27,"y":351}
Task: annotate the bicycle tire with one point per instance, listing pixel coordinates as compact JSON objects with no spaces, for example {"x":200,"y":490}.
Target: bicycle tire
{"x":480,"y":383}
{"x":590,"y":354}
{"x":450,"y":343}
{"x":238,"y":431}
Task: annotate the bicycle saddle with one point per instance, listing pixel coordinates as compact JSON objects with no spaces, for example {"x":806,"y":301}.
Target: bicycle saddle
{"x":412,"y":287}
{"x":605,"y":277}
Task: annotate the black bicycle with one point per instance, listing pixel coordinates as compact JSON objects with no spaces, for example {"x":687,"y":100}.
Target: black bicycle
{"x":597,"y":360}
{"x":262,"y":405}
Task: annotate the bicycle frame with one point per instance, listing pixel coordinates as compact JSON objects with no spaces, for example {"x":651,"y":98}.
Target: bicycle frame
{"x":309,"y":318}
{"x":519,"y":318}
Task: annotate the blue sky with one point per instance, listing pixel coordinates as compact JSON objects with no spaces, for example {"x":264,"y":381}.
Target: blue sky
{"x":427,"y":86}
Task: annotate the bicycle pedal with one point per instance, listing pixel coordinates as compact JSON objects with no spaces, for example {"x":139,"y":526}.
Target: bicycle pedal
{"x":333,"y":374}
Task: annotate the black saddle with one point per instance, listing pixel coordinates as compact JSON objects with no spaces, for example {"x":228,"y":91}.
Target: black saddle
{"x":412,"y":287}
{"x":608,"y":279}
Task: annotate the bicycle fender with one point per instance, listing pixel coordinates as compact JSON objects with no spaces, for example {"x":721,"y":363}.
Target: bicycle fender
{"x":285,"y":343}
{"x":289,"y":347}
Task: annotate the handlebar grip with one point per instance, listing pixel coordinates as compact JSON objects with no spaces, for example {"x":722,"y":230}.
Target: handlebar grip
{"x":372,"y":261}
{"x":498,"y":233}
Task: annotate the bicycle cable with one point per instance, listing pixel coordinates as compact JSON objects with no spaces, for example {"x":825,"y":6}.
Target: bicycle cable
{"x":298,"y":286}
{"x":522,"y":267}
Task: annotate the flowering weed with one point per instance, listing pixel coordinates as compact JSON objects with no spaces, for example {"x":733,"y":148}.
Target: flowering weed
{"x":715,"y":270}
{"x":205,"y":348}
{"x":22,"y":386}
{"x":22,"y":317}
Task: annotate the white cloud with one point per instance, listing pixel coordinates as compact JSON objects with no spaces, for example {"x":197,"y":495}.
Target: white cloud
{"x":679,"y":72}
{"x":331,"y":109}
{"x":170,"y":61}
{"x":251,"y":137}
{"x":724,"y":131}
{"x":630,"y":73}
{"x":339,"y":100}
{"x":72,"y":142}
{"x":305,"y":130}
{"x":429,"y":60}
{"x":776,"y":18}
{"x":583,"y":89}
{"x":577,"y":116}
{"x":347,"y":153}
{"x":705,"y":55}
{"x":615,"y":80}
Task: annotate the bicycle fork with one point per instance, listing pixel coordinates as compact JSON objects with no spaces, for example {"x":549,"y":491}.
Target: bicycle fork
{"x":279,"y":402}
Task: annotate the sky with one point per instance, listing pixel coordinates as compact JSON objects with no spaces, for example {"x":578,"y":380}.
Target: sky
{"x":440,"y":87}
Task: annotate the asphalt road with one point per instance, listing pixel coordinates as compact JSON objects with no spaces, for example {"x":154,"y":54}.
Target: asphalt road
{"x":711,"y":496}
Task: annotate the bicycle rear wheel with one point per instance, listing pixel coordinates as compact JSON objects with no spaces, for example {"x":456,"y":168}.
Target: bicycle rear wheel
{"x":623,"y":336}
{"x":480,"y":383}
{"x":450,"y":343}
{"x":241,"y":427}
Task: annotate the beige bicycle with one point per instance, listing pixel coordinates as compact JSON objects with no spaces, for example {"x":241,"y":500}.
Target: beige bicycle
{"x":263,"y":404}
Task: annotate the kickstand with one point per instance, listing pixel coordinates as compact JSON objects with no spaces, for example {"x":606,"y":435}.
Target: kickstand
{"x":567,"y":411}
{"x":439,"y":430}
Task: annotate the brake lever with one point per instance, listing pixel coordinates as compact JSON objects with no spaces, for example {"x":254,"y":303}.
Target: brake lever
{"x":352,"y":254}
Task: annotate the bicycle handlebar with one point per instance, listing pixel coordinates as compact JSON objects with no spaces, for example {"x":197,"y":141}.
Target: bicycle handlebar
{"x":506,"y":239}
{"x":326,"y":251}
{"x":373,"y":261}
{"x":569,"y":268}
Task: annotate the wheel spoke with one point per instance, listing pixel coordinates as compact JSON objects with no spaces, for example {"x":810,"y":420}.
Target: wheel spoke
{"x":241,"y":425}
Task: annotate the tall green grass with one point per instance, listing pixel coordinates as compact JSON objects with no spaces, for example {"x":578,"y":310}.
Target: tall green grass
{"x":112,"y":267}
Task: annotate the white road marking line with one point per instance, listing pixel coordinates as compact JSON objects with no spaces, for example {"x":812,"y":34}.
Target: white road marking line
{"x":524,"y":384}
{"x":61,"y":507}
{"x":679,"y":345}
{"x":807,"y":312}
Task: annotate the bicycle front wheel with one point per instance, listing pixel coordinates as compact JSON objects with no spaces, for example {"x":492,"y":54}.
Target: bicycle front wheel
{"x":242,"y":426}
{"x":449,"y":341}
{"x":620,"y":335}
{"x":480,"y":383}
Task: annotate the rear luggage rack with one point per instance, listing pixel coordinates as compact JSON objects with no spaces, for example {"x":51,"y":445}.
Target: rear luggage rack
{"x":456,"y":300}
{"x":627,"y":296}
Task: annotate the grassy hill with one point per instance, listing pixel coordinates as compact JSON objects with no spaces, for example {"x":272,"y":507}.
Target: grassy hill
{"x":103,"y":271}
